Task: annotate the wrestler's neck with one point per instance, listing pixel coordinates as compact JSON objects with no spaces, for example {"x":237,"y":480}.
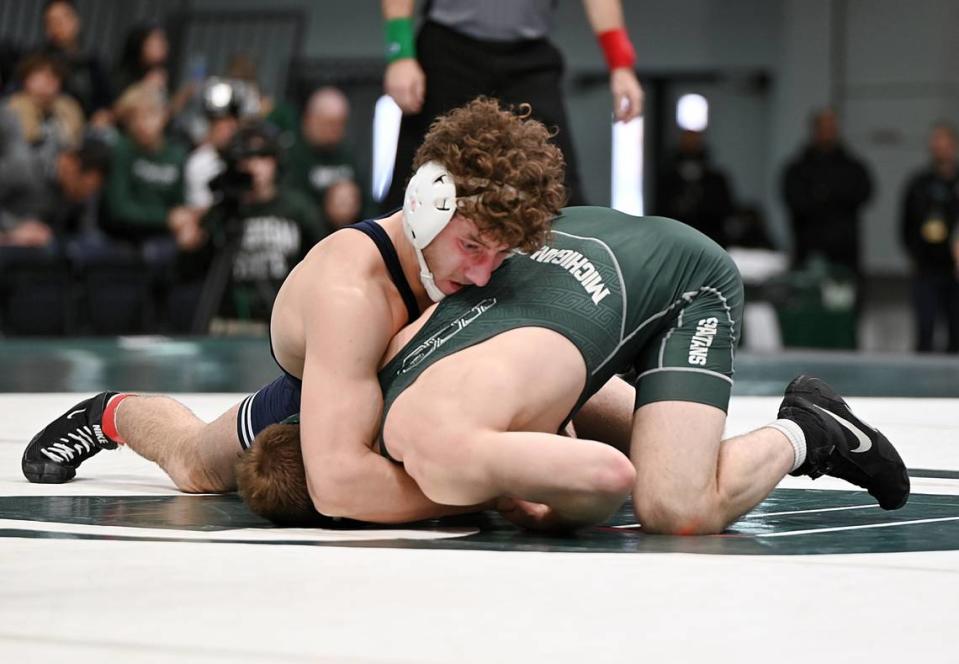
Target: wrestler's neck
{"x":393,"y":225}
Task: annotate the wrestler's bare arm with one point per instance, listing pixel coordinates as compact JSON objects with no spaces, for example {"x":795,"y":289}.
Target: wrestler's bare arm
{"x":347,"y":328}
{"x":581,"y":481}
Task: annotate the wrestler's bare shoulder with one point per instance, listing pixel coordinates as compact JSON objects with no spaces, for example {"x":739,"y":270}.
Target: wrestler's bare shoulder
{"x":342,"y":273}
{"x":345,"y":253}
{"x":344,"y":263}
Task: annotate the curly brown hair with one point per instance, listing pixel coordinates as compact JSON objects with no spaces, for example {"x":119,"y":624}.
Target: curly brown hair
{"x":508,"y":175}
{"x":271,"y":478}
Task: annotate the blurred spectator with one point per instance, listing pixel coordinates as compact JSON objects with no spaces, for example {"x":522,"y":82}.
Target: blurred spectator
{"x":320,"y":158}
{"x":60,"y":202}
{"x":145,"y":60}
{"x":46,"y":215}
{"x":695,"y":192}
{"x":824,"y":188}
{"x":221,"y":106}
{"x":70,"y":192}
{"x":50,"y":121}
{"x":85,"y":80}
{"x":266,"y":227}
{"x":501,"y":49}
{"x":343,"y":204}
{"x":145,"y":190}
{"x":19,"y":172}
{"x":930,"y":233}
{"x":144,"y":51}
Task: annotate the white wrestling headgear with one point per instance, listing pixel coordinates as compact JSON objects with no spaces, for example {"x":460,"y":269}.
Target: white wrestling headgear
{"x":428,"y":206}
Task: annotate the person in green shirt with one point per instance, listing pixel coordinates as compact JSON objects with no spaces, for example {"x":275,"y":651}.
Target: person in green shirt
{"x":145,"y":189}
{"x":144,"y":198}
{"x":319,"y":158}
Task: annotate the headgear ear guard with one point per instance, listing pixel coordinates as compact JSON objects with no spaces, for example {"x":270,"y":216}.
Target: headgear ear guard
{"x":428,"y":206}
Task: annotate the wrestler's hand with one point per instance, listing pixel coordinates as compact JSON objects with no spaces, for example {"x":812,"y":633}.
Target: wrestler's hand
{"x":405,"y":82}
{"x":532,"y":516}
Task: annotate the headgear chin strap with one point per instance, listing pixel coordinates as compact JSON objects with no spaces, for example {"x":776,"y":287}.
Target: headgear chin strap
{"x":428,"y":206}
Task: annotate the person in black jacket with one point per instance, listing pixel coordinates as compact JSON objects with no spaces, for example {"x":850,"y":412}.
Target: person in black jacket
{"x":930,"y":235}
{"x":824,"y":189}
{"x":695,"y":191}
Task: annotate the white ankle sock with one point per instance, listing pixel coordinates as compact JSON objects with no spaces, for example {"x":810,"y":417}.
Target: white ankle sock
{"x":796,"y":438}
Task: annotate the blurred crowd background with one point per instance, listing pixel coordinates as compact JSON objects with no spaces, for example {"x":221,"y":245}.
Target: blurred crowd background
{"x":163,"y":165}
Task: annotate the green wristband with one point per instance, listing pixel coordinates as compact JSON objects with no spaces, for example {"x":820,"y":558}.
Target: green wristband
{"x":399,"y":39}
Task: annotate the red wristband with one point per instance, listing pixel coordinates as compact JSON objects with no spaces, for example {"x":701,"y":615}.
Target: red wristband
{"x":617,"y":48}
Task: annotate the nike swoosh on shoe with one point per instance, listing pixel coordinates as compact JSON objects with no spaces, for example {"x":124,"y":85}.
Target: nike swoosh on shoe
{"x":865,"y":444}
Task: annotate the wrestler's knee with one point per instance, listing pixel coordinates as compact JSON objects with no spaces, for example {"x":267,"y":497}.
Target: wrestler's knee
{"x":200,"y":481}
{"x":667,"y":514}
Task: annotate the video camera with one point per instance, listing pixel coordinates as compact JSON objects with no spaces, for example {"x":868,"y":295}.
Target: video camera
{"x":256,"y":140}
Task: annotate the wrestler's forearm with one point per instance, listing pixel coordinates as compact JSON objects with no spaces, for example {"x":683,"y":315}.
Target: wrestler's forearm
{"x":582,"y":481}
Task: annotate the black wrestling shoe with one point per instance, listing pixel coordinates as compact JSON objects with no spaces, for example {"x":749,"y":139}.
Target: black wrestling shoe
{"x":53,"y":455}
{"x":841,"y":445}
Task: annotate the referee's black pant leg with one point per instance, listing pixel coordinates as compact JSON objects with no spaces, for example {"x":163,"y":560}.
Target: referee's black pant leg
{"x":541,"y":87}
{"x":455,"y":72}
